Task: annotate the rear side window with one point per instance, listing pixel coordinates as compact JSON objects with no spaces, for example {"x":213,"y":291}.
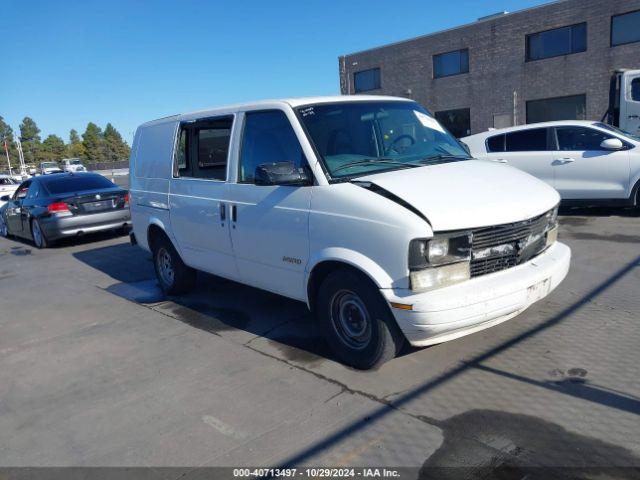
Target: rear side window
{"x":635,"y":89}
{"x":77,"y":183}
{"x":268,"y":137}
{"x":580,"y":138}
{"x":202,"y":149}
{"x":495,"y":144}
{"x":526,"y":140}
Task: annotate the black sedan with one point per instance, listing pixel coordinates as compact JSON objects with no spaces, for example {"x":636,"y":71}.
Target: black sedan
{"x":46,"y":208}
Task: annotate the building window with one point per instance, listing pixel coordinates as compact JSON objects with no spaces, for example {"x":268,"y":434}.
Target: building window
{"x":624,"y":28}
{"x":560,"y":108}
{"x":366,"y":80}
{"x":556,"y":42}
{"x":635,"y":90}
{"x":458,"y":122}
{"x":452,"y":63}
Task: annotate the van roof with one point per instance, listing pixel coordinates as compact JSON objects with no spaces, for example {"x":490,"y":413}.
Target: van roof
{"x":262,"y":104}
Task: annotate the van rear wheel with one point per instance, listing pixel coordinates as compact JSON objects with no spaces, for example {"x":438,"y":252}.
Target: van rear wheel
{"x":173,"y":275}
{"x":356,"y":320}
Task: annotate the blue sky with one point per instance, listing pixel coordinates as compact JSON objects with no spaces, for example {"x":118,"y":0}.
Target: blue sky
{"x":70,"y":62}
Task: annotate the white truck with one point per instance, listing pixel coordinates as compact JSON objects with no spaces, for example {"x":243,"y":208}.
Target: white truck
{"x":363,"y":207}
{"x":624,"y":101}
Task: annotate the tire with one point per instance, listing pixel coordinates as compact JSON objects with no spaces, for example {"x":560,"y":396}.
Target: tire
{"x":4,"y":230}
{"x":37,"y":235}
{"x":173,"y":275}
{"x":356,"y":320}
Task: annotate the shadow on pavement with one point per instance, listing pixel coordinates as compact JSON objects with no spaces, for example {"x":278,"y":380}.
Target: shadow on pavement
{"x":216,"y":305}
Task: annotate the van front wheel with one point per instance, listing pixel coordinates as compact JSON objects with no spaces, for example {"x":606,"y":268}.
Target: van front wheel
{"x":173,"y":275}
{"x":356,"y":320}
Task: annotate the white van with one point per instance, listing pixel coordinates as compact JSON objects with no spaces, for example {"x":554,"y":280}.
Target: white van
{"x":363,"y":207}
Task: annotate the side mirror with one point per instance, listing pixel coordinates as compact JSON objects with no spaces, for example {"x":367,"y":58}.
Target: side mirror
{"x":281,"y":173}
{"x":612,"y":144}
{"x":5,"y":198}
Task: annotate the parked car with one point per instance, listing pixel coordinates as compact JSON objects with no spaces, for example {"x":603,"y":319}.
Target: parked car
{"x":586,"y":162}
{"x":363,"y":207}
{"x":46,"y":168}
{"x":7,"y":186}
{"x":47,"y":208}
{"x":72,"y":165}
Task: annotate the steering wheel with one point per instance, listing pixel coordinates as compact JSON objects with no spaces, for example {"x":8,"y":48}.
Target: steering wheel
{"x":400,"y":149}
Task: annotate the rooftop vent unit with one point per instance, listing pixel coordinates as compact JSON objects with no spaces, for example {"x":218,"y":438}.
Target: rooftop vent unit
{"x":493,"y":15}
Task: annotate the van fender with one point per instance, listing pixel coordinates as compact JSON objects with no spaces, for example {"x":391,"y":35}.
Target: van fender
{"x":160,"y":223}
{"x":352,"y":258}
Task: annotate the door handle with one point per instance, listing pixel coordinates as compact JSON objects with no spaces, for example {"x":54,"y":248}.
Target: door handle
{"x":634,"y":116}
{"x":223,"y":212}
{"x":562,"y":161}
{"x":234,"y":213}
{"x":501,"y":160}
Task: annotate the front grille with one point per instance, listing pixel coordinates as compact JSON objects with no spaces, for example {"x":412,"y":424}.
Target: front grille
{"x":504,"y":246}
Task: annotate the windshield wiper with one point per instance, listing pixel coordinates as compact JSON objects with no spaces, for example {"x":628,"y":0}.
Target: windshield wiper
{"x":443,"y":156}
{"x":372,"y":161}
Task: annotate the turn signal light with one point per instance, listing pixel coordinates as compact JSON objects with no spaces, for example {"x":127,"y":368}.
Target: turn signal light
{"x":126,"y":199}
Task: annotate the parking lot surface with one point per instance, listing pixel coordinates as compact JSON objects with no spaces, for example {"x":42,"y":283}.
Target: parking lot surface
{"x":99,"y":369}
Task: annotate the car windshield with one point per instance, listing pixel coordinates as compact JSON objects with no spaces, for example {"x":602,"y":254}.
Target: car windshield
{"x":74,"y":162}
{"x":49,"y":164}
{"x":357,"y":138}
{"x":70,"y":184}
{"x":618,"y":131}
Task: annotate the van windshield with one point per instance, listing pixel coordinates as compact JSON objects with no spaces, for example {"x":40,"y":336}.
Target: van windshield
{"x":358,"y":138}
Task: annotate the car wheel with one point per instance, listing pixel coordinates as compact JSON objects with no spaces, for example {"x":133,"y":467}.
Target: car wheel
{"x":173,"y":275}
{"x":4,"y":230}
{"x":356,"y":320}
{"x":37,"y":234}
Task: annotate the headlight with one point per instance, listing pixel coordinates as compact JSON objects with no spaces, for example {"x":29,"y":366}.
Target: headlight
{"x":442,"y":249}
{"x":440,"y":261}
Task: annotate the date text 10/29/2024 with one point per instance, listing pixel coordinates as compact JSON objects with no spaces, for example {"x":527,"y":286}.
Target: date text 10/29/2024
{"x":315,"y":473}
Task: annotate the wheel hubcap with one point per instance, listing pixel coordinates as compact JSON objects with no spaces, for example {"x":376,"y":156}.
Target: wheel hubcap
{"x":165,"y":266}
{"x":350,"y":319}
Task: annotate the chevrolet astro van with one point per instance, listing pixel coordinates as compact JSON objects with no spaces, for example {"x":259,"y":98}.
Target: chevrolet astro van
{"x":363,"y":207}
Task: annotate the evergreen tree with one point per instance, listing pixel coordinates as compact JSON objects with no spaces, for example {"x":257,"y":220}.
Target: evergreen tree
{"x":75,"y":148}
{"x":117,"y":149}
{"x":53,"y":148}
{"x":30,"y":139}
{"x":94,"y":144}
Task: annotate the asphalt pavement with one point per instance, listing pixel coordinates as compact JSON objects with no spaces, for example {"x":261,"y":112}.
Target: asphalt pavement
{"x":98,"y":368}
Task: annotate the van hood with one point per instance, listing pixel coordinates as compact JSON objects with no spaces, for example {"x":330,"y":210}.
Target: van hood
{"x":468,"y":194}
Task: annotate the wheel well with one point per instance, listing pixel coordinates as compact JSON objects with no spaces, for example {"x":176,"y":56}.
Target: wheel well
{"x":321,"y":271}
{"x":153,"y":234}
{"x":635,"y":194}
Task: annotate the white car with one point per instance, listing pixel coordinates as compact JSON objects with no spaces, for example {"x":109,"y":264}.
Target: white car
{"x":72,"y":165}
{"x":586,"y":162}
{"x":8,"y":185}
{"x":363,"y":207}
{"x":47,"y":168}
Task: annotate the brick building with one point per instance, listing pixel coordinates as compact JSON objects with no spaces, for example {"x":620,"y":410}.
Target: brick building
{"x":549,"y":62}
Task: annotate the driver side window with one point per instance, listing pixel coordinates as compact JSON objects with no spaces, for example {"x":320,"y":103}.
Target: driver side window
{"x":268,"y":137}
{"x":580,"y":139}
